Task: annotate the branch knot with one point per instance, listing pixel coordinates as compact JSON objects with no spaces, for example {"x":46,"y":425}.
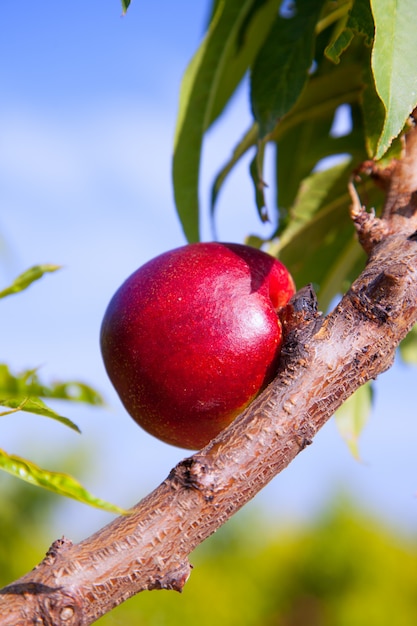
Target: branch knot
{"x":194,"y":473}
{"x":369,"y":228}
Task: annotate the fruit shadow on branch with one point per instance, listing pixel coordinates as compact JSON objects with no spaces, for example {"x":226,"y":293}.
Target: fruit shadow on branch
{"x":324,"y":360}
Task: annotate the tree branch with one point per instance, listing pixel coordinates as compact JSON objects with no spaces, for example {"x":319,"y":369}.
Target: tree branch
{"x":324,"y":360}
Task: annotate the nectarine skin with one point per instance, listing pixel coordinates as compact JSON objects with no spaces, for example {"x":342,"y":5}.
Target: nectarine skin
{"x":193,"y":335}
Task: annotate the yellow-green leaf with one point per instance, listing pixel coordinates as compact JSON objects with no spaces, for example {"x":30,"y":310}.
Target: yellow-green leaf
{"x":318,"y":244}
{"x":59,"y":483}
{"x":395,"y":48}
{"x":27,"y":383}
{"x":36,"y":406}
{"x":282,"y":66}
{"x":125,"y":6}
{"x":320,"y":98}
{"x":27,"y":278}
{"x":199,"y":102}
{"x":23,"y":392}
{"x":357,"y":21}
{"x":352,"y":416}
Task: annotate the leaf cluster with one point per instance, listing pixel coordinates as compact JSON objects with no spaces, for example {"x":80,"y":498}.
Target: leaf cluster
{"x":307,"y":64}
{"x":304,"y":62}
{"x":26,"y":392}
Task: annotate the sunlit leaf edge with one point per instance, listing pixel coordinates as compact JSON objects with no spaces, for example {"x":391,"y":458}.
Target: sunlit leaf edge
{"x":395,"y":79}
{"x":197,"y":96}
{"x":57,"y":482}
{"x":24,"y":280}
{"x":37,"y":407}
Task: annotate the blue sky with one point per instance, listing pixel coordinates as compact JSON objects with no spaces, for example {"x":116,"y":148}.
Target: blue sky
{"x":87,"y":116}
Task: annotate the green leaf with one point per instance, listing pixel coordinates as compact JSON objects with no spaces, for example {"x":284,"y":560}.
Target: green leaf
{"x":395,"y":47}
{"x":319,"y":244}
{"x":321,"y":97}
{"x":373,"y":111}
{"x":27,"y":278}
{"x":59,"y":483}
{"x":325,"y":92}
{"x":27,"y":383}
{"x":74,"y":391}
{"x":408,"y":347}
{"x":308,"y":143}
{"x":281,"y":69}
{"x":316,"y":194}
{"x":24,"y":392}
{"x":36,"y":406}
{"x":125,"y":6}
{"x":242,"y":53}
{"x":298,"y":151}
{"x":359,"y":21}
{"x":202,"y":89}
{"x":256,"y":172}
{"x":248,"y":141}
{"x":353,"y":415}
{"x":335,"y":49}
{"x":333,"y":13}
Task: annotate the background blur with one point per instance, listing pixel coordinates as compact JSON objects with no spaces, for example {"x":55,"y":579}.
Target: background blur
{"x":87,"y":116}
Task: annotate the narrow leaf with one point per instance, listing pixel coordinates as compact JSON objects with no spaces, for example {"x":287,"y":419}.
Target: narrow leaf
{"x":241,"y":54}
{"x":246,"y":143}
{"x":359,"y":21}
{"x":212,"y":12}
{"x":23,"y":392}
{"x":353,"y":415}
{"x":36,"y":406}
{"x":74,"y":391}
{"x":27,"y":278}
{"x":335,"y":49}
{"x":395,"y":45}
{"x":59,"y":483}
{"x":309,"y":142}
{"x":281,"y":69}
{"x":316,"y":199}
{"x":27,"y":383}
{"x":125,"y":6}
{"x":256,"y":172}
{"x":373,"y":111}
{"x":322,"y":95}
{"x":298,"y":152}
{"x":197,"y":98}
{"x":318,"y":243}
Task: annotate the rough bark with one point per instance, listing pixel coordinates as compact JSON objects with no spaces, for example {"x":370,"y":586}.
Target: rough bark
{"x":324,"y":360}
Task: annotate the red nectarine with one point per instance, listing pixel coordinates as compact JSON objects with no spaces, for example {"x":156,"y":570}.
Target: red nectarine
{"x":193,"y":335}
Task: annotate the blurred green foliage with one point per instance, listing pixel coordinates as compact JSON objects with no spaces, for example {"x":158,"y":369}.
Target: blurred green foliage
{"x":23,"y":529}
{"x":343,"y":569}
